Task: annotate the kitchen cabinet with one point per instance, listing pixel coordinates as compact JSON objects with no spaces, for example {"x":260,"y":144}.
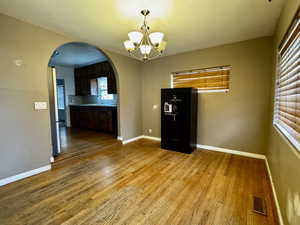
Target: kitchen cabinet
{"x":82,"y":85}
{"x":100,"y":118}
{"x":84,"y":75}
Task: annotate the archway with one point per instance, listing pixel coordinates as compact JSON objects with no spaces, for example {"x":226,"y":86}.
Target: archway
{"x":88,"y":97}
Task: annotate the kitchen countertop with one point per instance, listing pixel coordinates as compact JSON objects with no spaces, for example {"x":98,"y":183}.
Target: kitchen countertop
{"x":95,"y":105}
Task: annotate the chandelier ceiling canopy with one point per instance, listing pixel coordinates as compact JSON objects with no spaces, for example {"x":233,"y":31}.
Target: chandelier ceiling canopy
{"x":144,"y":45}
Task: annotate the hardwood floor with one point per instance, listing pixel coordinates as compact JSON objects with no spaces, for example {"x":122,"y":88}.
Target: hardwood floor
{"x":140,"y":184}
{"x":76,"y":142}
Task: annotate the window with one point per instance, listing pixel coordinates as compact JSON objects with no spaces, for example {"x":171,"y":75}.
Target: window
{"x":60,"y":97}
{"x":102,"y":89}
{"x":287,"y":91}
{"x":94,"y":87}
{"x":214,"y":79}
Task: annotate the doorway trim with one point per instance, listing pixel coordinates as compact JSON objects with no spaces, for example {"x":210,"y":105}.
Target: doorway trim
{"x":53,"y":112}
{"x":53,"y":100}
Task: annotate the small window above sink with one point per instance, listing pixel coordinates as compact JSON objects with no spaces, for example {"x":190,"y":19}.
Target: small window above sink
{"x":99,"y":88}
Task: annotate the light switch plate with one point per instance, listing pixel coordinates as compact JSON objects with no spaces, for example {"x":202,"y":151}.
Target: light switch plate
{"x":40,"y":106}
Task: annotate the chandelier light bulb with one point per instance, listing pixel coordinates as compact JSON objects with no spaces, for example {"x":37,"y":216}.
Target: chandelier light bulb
{"x":129,"y":45}
{"x":145,"y":49}
{"x":156,"y":38}
{"x":135,"y":37}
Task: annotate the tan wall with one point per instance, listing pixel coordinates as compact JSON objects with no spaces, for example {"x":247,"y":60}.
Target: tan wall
{"x":129,"y":80}
{"x":283,"y":159}
{"x":25,"y":142}
{"x":236,"y":120}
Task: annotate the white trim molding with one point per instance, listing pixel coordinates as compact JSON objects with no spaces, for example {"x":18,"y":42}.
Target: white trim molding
{"x":217,"y":149}
{"x":140,"y":137}
{"x":274,"y":193}
{"x":212,"y":91}
{"x":235,"y":152}
{"x":120,"y":138}
{"x":152,"y":138}
{"x":132,"y":140}
{"x":24,"y":175}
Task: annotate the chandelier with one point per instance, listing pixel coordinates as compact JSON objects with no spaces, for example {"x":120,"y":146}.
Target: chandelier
{"x":144,"y":45}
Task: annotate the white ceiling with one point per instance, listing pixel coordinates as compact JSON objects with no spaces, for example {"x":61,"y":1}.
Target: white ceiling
{"x":187,"y":24}
{"x":76,"y":55}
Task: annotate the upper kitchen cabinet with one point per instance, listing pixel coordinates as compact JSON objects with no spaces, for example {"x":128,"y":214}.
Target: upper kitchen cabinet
{"x":82,"y":82}
{"x":84,"y":75}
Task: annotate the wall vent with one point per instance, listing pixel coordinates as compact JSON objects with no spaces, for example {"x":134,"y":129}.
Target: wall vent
{"x":259,"y":205}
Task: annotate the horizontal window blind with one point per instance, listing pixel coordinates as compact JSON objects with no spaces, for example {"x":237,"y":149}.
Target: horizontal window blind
{"x":216,"y":78}
{"x":287,"y":92}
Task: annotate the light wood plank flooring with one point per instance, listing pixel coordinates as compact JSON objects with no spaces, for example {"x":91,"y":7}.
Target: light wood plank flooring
{"x":75,"y":142}
{"x":140,"y":184}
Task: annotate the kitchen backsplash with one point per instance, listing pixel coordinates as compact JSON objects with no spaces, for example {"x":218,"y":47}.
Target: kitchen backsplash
{"x":73,"y":99}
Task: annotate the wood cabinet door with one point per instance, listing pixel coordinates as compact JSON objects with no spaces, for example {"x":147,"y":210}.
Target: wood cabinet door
{"x":75,"y":116}
{"x":82,"y":82}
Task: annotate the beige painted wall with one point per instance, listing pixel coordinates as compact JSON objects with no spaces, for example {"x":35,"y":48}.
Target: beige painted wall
{"x":236,"y":120}
{"x":25,"y":142}
{"x":283,"y":159}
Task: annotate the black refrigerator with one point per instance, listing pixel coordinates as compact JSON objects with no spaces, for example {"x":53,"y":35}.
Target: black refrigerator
{"x":179,"y":119}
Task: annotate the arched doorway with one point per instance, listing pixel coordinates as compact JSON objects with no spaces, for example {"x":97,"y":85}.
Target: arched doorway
{"x":83,"y":98}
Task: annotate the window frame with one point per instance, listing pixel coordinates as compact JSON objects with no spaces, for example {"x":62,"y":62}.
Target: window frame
{"x":203,"y":69}
{"x":100,"y":90}
{"x":282,"y":131}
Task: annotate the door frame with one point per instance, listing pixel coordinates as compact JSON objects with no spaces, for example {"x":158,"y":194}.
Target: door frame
{"x":53,"y":111}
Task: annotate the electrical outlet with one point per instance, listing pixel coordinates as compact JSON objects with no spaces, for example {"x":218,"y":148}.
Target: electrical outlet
{"x":18,"y":62}
{"x":150,"y":131}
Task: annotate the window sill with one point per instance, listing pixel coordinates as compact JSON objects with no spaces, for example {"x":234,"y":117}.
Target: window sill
{"x":293,"y":144}
{"x":213,"y":91}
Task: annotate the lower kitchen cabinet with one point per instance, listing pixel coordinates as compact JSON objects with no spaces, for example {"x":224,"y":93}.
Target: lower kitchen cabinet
{"x":100,"y":118}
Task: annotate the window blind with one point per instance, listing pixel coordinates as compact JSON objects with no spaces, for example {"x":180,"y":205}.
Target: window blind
{"x":216,"y":78}
{"x":287,"y":92}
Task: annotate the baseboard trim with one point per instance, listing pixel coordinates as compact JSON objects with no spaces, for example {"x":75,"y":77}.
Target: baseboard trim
{"x":120,"y":138}
{"x":274,"y":193}
{"x":230,"y":151}
{"x":152,"y":138}
{"x":140,"y":137}
{"x":132,"y":140}
{"x":217,"y":149}
{"x":24,"y":175}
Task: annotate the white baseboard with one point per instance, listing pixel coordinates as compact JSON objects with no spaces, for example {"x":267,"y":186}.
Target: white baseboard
{"x":212,"y":148}
{"x":120,"y":138}
{"x":274,"y":193}
{"x":152,"y":138}
{"x":235,"y":152}
{"x":24,"y":175}
{"x":140,"y":137}
{"x":132,"y":139}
